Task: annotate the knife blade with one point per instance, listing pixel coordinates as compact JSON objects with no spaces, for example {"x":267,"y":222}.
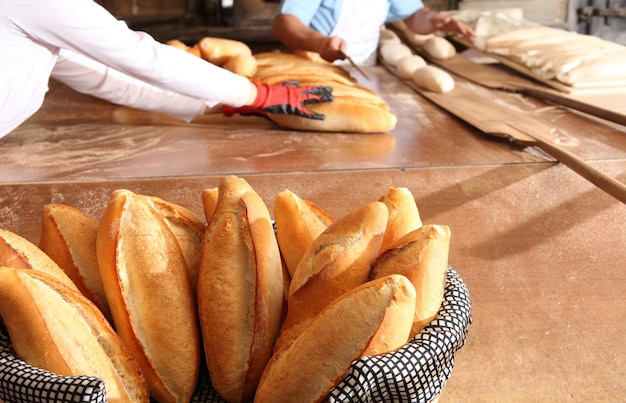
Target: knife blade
{"x":356,"y":66}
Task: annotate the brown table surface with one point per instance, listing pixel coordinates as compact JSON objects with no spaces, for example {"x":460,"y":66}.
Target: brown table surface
{"x":540,"y":248}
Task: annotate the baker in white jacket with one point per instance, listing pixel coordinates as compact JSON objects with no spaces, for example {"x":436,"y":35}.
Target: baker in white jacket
{"x":82,"y":45}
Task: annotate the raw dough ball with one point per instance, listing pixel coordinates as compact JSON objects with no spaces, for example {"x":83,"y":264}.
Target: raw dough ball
{"x":407,"y":66}
{"x":433,"y":79}
{"x":439,"y":48}
{"x":391,"y":52}
{"x":417,"y":39}
{"x":387,"y":35}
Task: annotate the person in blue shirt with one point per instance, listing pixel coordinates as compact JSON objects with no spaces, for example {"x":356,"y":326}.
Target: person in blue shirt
{"x":329,"y":27}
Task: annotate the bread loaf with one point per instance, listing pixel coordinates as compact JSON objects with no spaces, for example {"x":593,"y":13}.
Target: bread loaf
{"x":392,"y":52}
{"x":18,"y":252}
{"x":68,"y":236}
{"x":371,"y":319}
{"x":343,"y":114}
{"x":219,"y":50}
{"x":150,"y":296}
{"x":58,"y":329}
{"x":242,"y":64}
{"x":407,"y":66}
{"x":404,"y":215}
{"x":209,"y":201}
{"x":421,"y":256}
{"x":339,"y":259}
{"x":240,"y":290}
{"x":188,"y":229}
{"x":298,"y":223}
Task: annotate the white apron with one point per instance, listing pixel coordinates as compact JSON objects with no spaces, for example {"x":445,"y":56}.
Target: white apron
{"x":359,"y":25}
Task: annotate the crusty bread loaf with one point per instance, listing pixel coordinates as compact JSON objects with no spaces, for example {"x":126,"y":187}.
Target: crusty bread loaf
{"x":68,"y":236}
{"x":344,"y":114}
{"x":240,"y":290}
{"x":404,"y":215}
{"x":188,"y":229}
{"x":18,"y":252}
{"x":421,"y":256}
{"x":298,"y":223}
{"x":219,"y":50}
{"x":371,"y":319}
{"x":242,"y":64}
{"x":339,"y":259}
{"x":58,"y":329}
{"x":150,"y":296}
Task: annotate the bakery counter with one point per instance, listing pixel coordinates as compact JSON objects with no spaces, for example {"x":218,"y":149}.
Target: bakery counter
{"x":541,"y":251}
{"x":76,"y":137}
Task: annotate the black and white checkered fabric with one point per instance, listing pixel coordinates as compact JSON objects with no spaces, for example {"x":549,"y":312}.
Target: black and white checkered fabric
{"x":22,"y":383}
{"x":415,"y":373}
{"x":418,"y":371}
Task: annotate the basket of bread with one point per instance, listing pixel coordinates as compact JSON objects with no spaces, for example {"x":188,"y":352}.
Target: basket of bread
{"x":152,"y":303}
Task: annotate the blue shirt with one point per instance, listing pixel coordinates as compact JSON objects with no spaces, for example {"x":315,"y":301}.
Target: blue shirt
{"x":322,"y":15}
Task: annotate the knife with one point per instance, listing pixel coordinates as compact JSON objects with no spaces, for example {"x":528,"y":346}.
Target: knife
{"x":497,"y":120}
{"x":356,"y":66}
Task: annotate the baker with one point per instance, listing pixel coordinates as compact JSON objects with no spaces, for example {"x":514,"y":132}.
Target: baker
{"x":80,"y":44}
{"x":330,"y":27}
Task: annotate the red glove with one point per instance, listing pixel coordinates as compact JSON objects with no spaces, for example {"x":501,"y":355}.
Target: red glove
{"x":286,"y":98}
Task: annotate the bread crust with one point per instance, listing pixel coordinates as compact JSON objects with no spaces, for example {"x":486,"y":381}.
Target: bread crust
{"x":240,"y":290}
{"x":68,"y":236}
{"x":149,"y":294}
{"x":404,"y":215}
{"x":18,"y":252}
{"x":421,"y":256}
{"x":373,"y":318}
{"x":339,"y":259}
{"x":41,"y":312}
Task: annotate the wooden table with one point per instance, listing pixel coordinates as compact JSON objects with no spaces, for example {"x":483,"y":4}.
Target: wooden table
{"x":541,"y":249}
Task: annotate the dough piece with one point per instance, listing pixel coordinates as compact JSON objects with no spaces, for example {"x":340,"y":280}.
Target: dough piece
{"x":242,"y":64}
{"x":417,"y":39}
{"x":439,"y":48}
{"x":407,"y":66}
{"x":388,"y":36}
{"x":392,"y":52}
{"x":433,"y":79}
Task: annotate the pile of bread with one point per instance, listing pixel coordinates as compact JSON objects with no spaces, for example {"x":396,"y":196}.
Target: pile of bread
{"x":400,"y":58}
{"x":355,"y":108}
{"x":571,"y":58}
{"x":147,"y":294}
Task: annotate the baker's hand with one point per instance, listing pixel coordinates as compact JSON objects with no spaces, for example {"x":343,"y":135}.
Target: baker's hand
{"x":332,"y":48}
{"x":287,"y":97}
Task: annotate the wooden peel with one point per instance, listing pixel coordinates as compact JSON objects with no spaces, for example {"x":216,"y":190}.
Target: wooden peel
{"x":497,"y":120}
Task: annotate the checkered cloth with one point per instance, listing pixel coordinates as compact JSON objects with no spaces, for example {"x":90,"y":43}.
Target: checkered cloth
{"x":415,"y":373}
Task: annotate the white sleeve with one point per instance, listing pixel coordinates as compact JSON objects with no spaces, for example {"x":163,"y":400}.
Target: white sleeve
{"x":91,"y":77}
{"x":88,"y":29}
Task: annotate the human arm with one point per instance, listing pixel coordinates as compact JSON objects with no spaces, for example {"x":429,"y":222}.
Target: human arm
{"x":295,"y":35}
{"x":426,"y":21}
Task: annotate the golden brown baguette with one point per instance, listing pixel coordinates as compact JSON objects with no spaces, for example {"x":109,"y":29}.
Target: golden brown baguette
{"x":68,"y":236}
{"x":344,"y":114}
{"x":58,"y":329}
{"x":188,"y":229}
{"x":18,"y":252}
{"x":220,"y":50}
{"x":339,"y":259}
{"x":421,"y":256}
{"x":149,"y":293}
{"x":298,"y":223}
{"x":240,"y":290}
{"x":242,"y":64}
{"x":374,"y":318}
{"x":404,"y":215}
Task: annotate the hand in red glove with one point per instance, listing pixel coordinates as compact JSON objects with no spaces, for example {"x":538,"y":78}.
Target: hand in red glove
{"x":286,"y":98}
